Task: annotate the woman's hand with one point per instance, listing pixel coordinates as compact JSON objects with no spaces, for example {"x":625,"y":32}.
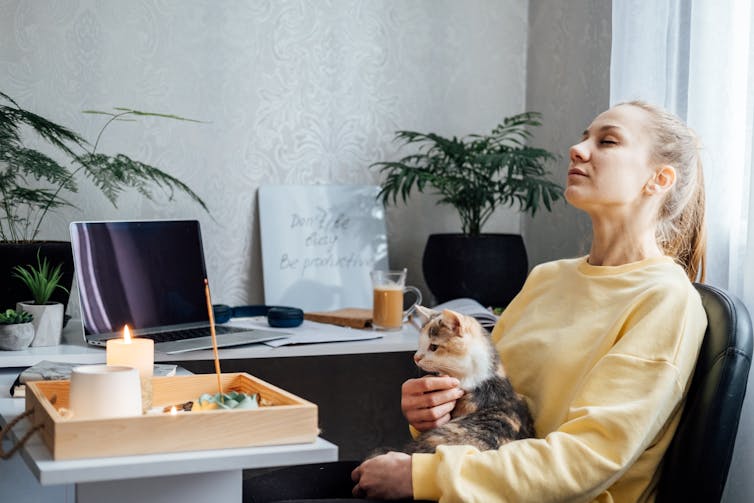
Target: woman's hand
{"x":426,"y":402}
{"x":387,"y":476}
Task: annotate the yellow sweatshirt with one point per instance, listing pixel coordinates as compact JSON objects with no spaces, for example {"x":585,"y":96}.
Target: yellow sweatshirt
{"x":603,"y":356}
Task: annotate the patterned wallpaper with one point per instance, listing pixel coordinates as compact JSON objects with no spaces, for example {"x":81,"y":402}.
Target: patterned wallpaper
{"x":304,"y":92}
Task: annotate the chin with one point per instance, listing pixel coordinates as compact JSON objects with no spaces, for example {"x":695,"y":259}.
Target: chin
{"x":571,"y":196}
{"x":575,"y":198}
{"x":428,"y":370}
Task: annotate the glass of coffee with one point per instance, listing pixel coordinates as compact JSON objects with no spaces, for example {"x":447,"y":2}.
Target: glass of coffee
{"x":388,"y":289}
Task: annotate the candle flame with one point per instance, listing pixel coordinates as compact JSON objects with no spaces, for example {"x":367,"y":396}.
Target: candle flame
{"x":173,"y":410}
{"x":126,"y":335}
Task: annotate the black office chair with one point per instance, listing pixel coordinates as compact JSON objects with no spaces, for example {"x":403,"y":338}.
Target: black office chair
{"x":696,"y":465}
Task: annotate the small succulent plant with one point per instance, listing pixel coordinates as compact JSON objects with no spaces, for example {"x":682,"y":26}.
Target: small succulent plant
{"x":42,"y":280}
{"x":13,"y":317}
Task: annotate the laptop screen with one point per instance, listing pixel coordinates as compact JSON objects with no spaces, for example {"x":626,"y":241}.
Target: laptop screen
{"x":146,"y":274}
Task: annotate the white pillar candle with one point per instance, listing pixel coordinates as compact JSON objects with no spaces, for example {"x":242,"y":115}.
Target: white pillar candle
{"x":132,"y":352}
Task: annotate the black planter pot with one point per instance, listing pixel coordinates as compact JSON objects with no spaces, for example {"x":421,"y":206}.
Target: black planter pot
{"x":12,"y":290}
{"x":490,"y":268}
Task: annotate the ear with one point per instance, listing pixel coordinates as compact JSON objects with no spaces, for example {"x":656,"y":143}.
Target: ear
{"x":452,"y":320}
{"x":424,"y":314}
{"x":663,"y":180}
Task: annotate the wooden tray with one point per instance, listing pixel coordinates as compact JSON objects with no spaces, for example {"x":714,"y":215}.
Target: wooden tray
{"x":289,"y":420}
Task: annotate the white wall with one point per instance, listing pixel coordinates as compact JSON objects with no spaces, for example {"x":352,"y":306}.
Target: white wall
{"x":568,"y":81}
{"x":292,"y":92}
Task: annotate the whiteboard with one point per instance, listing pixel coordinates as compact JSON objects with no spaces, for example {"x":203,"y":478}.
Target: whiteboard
{"x":319,"y":243}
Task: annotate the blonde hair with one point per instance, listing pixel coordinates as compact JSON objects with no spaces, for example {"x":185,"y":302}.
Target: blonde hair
{"x":681,"y":229}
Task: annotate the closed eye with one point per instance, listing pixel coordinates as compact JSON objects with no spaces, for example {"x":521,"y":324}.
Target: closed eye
{"x":433,"y":347}
{"x":608,"y":142}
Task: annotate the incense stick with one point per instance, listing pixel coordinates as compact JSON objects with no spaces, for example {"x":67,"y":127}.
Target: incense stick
{"x":214,"y":337}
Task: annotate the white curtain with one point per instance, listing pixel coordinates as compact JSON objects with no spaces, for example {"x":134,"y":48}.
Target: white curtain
{"x":694,"y":57}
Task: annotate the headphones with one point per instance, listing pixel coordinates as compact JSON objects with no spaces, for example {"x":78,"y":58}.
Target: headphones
{"x":277,"y":316}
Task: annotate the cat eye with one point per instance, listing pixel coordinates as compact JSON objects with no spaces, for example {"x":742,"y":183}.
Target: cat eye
{"x":433,"y":347}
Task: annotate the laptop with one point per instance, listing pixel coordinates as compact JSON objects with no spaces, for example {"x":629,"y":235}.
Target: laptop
{"x":150,"y":276}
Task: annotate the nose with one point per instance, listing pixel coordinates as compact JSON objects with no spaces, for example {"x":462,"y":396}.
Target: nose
{"x":579,"y":152}
{"x":418,"y":357}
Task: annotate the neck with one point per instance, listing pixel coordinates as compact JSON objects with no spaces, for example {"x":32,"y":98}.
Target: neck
{"x":622,"y":243}
{"x":469,"y":383}
{"x":481,"y":368}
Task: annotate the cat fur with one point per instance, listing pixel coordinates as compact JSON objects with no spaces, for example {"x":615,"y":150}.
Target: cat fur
{"x":490,"y":413}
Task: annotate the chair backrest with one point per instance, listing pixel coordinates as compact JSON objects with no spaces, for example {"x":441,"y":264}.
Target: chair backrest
{"x":696,"y":465}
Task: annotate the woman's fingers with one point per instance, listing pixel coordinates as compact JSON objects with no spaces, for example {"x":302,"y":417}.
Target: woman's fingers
{"x":429,"y":383}
{"x":429,"y":418}
{"x":387,"y":476}
{"x":427,"y":402}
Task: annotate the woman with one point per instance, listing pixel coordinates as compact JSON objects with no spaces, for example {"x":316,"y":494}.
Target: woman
{"x":602,"y":347}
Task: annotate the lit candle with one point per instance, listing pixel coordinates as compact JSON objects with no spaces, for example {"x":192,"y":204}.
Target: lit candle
{"x":132,"y":352}
{"x":137,"y":353}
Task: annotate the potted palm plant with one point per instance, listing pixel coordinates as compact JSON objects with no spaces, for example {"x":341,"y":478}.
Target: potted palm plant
{"x":475,"y":174}
{"x":42,"y":281}
{"x":33,"y":184}
{"x":16,"y":330}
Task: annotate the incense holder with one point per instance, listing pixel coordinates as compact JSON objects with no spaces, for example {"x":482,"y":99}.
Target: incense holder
{"x":230,"y":400}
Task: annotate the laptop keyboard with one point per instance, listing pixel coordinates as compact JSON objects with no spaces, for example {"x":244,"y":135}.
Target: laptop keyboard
{"x":191,"y":333}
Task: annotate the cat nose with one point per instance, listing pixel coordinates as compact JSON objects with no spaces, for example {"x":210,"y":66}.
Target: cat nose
{"x":418,"y":357}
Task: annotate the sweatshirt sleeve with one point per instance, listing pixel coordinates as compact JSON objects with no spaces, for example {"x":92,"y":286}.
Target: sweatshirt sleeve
{"x":622,"y":407}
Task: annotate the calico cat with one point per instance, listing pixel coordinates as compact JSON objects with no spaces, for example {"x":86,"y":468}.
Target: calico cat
{"x":490,"y":413}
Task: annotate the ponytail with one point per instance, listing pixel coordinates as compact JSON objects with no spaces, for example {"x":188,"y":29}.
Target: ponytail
{"x":681,"y":229}
{"x":690,"y":245}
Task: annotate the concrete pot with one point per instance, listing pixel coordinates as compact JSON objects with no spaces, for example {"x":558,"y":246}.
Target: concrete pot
{"x":48,"y":322}
{"x":16,"y":337}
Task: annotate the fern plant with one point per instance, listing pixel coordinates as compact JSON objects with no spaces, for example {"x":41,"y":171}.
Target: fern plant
{"x":475,"y":174}
{"x":41,"y":280}
{"x":32,"y":183}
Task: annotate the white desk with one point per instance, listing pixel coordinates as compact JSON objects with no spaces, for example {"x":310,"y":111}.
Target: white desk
{"x":197,"y":476}
{"x":15,"y":476}
{"x":74,"y":350}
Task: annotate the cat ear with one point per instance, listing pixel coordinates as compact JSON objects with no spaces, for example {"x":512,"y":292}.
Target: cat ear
{"x":452,"y":320}
{"x":423,"y":315}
